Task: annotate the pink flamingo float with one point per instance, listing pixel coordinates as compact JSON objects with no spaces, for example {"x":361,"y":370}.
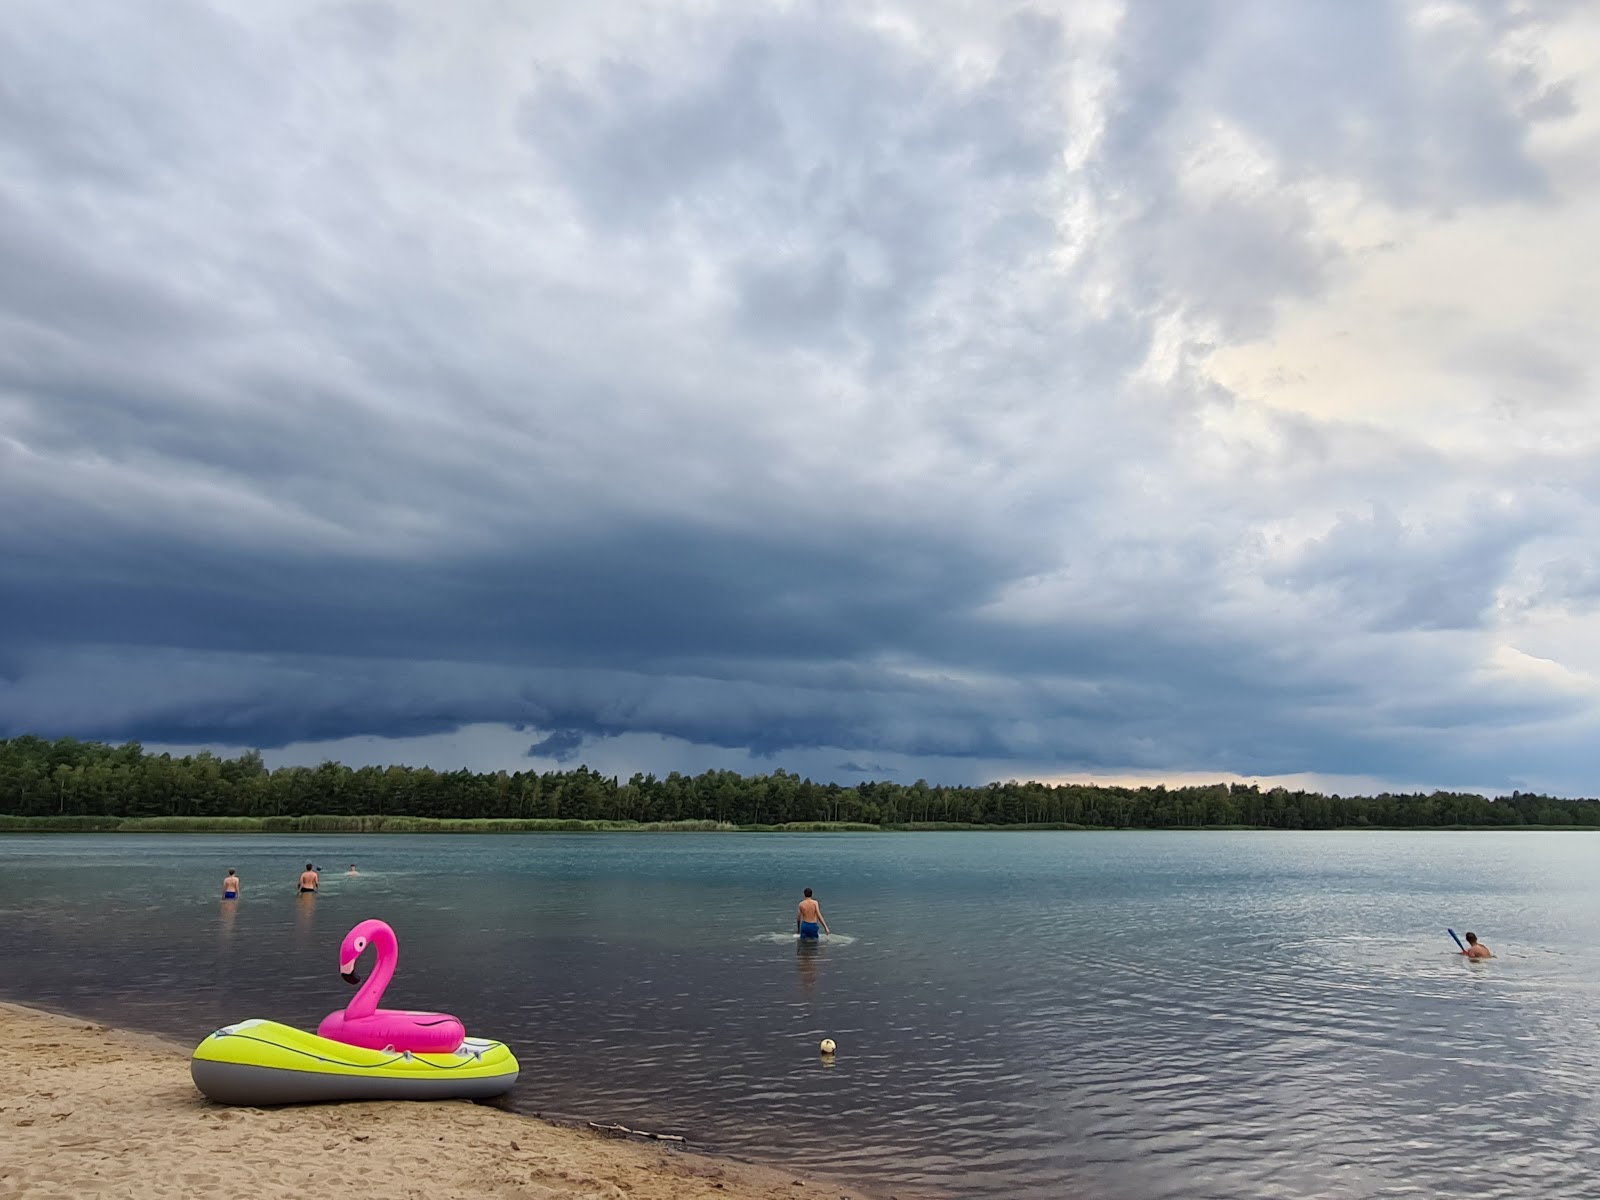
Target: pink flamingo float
{"x":363,"y":1023}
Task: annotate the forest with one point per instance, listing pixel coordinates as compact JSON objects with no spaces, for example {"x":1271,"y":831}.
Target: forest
{"x":63,"y":778}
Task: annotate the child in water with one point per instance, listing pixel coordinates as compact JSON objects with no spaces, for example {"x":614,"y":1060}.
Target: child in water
{"x":1475,"y":948}
{"x":230,"y":886}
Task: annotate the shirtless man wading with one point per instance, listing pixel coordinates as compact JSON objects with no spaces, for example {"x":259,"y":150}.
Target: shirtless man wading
{"x":308,"y":879}
{"x":810,"y":917}
{"x":230,"y":886}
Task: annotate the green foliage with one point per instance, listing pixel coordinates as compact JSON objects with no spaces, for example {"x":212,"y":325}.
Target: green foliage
{"x":809,"y":827}
{"x":92,"y":787}
{"x":321,"y":823}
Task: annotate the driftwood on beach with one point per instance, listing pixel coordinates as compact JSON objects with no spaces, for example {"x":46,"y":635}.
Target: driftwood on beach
{"x":624,"y":1131}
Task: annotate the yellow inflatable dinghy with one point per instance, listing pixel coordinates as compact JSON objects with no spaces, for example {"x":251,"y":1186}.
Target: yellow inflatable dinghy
{"x":262,"y":1062}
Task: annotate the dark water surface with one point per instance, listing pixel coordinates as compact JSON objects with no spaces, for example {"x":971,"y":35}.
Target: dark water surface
{"x":1113,"y":1016}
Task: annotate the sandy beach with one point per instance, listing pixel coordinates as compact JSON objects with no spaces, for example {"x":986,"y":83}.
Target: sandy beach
{"x":87,"y":1110}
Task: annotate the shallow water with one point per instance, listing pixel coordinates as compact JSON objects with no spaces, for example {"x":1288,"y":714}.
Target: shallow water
{"x":1114,"y":1016}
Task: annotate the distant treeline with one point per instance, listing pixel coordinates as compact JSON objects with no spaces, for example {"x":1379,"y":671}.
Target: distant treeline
{"x":70,"y":778}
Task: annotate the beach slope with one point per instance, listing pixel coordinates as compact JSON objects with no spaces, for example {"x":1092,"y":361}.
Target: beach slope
{"x":86,"y":1110}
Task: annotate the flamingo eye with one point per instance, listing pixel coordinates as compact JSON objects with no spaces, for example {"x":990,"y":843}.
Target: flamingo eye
{"x":361,"y":943}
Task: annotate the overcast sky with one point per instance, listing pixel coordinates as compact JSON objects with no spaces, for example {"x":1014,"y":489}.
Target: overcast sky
{"x":1193,"y":389}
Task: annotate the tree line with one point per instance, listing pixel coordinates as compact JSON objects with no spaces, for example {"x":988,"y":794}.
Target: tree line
{"x":67,"y":777}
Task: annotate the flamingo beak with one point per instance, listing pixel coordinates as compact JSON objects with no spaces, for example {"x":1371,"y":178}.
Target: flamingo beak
{"x":347,"y":972}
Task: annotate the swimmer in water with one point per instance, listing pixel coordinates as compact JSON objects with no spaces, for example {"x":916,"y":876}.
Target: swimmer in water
{"x":809,"y":918}
{"x":230,"y":886}
{"x":1475,"y":948}
{"x":308,"y":879}
{"x":352,"y":870}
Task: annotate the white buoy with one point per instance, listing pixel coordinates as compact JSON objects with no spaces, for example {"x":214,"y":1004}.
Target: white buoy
{"x":827,"y":1046}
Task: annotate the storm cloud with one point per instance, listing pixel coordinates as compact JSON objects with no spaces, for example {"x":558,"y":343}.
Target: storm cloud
{"x":941,"y":390}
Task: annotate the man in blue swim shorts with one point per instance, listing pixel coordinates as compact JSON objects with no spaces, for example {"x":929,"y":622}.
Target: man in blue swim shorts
{"x":809,"y":918}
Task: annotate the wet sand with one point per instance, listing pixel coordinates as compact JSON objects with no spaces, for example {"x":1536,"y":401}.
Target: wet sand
{"x":88,"y":1110}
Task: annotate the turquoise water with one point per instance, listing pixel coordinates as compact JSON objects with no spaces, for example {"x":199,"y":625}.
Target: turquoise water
{"x":1113,"y":1016}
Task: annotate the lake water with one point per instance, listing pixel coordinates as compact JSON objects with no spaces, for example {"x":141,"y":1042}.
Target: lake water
{"x":1113,"y":1016}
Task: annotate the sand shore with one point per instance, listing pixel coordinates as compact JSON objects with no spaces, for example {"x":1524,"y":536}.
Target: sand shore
{"x":87,"y":1110}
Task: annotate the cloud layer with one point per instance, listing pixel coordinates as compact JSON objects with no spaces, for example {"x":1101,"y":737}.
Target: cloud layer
{"x":954,"y":390}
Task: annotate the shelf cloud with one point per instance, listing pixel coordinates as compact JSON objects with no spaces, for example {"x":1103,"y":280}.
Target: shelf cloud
{"x":939,"y":390}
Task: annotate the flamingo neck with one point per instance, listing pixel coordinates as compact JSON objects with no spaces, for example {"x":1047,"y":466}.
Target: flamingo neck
{"x":365,"y":1001}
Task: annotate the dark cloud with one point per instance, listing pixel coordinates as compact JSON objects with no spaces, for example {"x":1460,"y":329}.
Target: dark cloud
{"x":780,"y":383}
{"x":840,"y":175}
{"x":49,"y":285}
{"x":1414,"y":113}
{"x":866,"y":770}
{"x":1416,"y":577}
{"x":175,"y":100}
{"x":1362,"y":88}
{"x":563,"y":746}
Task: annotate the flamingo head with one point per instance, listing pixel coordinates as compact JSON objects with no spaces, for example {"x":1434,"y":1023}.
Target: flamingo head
{"x":354,"y":944}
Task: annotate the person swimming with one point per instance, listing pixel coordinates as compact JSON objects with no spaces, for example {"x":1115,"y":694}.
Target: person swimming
{"x":809,"y":918}
{"x":308,"y":879}
{"x":230,"y":886}
{"x":352,"y":870}
{"x":1476,"y":949}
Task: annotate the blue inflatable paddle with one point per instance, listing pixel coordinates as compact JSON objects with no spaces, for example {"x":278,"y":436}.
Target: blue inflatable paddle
{"x":1452,"y":933}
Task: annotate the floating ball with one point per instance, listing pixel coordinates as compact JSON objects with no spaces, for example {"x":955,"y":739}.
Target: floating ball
{"x":827,"y":1046}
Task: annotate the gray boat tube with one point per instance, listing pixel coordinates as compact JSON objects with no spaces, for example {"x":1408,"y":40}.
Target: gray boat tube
{"x":256,"y":1087}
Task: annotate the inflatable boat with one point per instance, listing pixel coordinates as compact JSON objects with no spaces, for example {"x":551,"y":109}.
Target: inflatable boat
{"x":262,"y":1062}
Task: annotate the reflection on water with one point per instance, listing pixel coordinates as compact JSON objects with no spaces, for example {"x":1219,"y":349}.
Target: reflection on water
{"x":807,"y":952}
{"x":1118,"y":1017}
{"x":305,"y":914}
